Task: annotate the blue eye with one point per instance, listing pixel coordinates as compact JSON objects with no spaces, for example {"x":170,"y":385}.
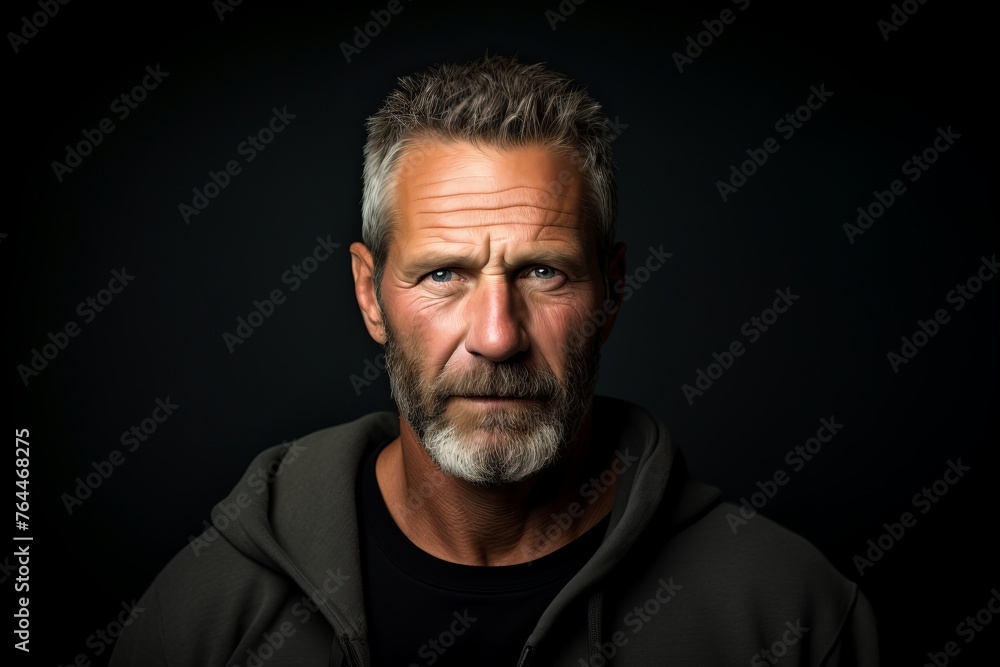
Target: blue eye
{"x":547,"y":272}
{"x":441,"y":275}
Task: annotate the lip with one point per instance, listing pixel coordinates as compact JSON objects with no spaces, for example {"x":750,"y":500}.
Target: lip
{"x":493,"y":399}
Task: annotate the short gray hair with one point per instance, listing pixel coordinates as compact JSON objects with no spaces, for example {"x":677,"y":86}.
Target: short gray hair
{"x":499,"y":102}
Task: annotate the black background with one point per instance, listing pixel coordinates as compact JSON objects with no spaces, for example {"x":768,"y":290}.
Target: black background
{"x":679,"y":134}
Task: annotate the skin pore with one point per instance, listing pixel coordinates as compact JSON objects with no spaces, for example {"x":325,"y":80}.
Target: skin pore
{"x":492,"y":267}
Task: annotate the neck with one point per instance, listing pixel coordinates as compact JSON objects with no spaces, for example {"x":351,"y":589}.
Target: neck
{"x":469,"y":524}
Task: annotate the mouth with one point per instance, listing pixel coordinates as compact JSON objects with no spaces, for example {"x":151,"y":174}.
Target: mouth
{"x":492,"y":398}
{"x":499,"y":400}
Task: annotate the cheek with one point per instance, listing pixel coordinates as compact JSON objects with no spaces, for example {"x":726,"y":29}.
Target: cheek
{"x":431,"y":331}
{"x":555,"y":324}
{"x":559,"y":319}
{"x":557,"y":333}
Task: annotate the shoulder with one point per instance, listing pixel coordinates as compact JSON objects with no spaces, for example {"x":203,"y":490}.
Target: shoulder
{"x":203,"y":595}
{"x":763,"y":583}
{"x":756,"y":558}
{"x":230,"y":578}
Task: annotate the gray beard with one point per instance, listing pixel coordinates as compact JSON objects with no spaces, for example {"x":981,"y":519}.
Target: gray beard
{"x":494,"y":446}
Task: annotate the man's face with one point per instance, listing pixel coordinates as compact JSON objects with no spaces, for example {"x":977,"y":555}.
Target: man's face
{"x":492,"y":273}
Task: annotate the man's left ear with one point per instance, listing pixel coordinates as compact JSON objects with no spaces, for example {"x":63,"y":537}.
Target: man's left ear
{"x":616,"y":274}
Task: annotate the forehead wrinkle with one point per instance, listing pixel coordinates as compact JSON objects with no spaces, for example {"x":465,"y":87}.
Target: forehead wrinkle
{"x":482,"y":237}
{"x":518,"y":197}
{"x":452,"y":226}
{"x":519,"y":216}
{"x":499,"y":222}
{"x":493,"y":208}
{"x":486,"y":192}
{"x":494,"y":201}
{"x":496,"y":247}
{"x":483,"y":217}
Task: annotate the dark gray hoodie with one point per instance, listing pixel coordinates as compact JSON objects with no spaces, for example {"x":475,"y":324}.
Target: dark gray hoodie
{"x":280,"y":581}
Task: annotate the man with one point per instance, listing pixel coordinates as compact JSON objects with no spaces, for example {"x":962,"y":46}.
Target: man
{"x":506,"y":516}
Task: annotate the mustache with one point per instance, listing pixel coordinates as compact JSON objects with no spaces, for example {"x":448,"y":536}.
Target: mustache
{"x":504,"y":380}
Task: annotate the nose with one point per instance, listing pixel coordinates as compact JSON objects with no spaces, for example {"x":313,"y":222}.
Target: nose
{"x":495,"y":316}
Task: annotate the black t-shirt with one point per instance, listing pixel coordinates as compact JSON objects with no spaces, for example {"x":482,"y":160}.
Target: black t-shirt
{"x":424,"y":611}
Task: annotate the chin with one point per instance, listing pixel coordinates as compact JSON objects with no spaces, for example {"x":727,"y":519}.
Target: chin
{"x":494,"y":457}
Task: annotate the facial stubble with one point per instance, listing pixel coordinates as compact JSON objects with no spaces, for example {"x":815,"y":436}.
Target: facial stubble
{"x":493,"y":445}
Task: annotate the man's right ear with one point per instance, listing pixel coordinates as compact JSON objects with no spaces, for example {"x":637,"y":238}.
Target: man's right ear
{"x":364,"y":289}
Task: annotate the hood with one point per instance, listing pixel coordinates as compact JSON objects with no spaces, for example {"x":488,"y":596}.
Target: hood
{"x":302,"y":521}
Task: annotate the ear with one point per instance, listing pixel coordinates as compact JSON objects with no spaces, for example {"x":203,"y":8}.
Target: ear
{"x":616,"y":274}
{"x":364,"y":289}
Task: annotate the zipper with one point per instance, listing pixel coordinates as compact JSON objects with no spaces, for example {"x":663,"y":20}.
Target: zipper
{"x":351,"y":658}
